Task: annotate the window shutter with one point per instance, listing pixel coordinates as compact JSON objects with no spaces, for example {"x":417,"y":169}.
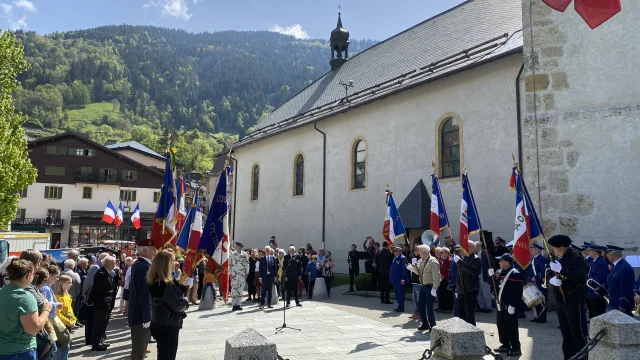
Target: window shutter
{"x":123,"y":174}
{"x":135,"y":175}
{"x":133,"y":195}
{"x":46,"y":192}
{"x":57,"y":215}
{"x":72,"y":151}
{"x":121,"y":194}
{"x":60,"y":193}
{"x":51,"y":150}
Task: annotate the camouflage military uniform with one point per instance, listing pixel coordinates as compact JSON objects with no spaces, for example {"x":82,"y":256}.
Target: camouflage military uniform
{"x":239,"y":268}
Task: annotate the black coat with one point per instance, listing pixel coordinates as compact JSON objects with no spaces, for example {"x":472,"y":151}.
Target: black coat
{"x":292,"y":266}
{"x":354,"y":259}
{"x":169,"y":305}
{"x":252,"y":269}
{"x":383,"y":262}
{"x":511,"y":295}
{"x":102,"y":292}
{"x":139,"y":297}
{"x":468,"y":279}
{"x":574,"y":274}
{"x":271,"y":269}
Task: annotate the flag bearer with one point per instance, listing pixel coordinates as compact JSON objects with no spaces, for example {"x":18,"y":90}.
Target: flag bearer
{"x":509,"y":294}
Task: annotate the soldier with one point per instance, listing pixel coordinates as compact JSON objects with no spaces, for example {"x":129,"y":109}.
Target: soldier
{"x":399,"y":276}
{"x":536,"y":276}
{"x":568,"y":281}
{"x":598,"y":273}
{"x":619,"y":281}
{"x":239,"y":268}
{"x":510,"y":286}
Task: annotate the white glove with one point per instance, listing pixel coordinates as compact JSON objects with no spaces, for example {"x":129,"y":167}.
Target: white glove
{"x":456,"y":295}
{"x":186,"y":299}
{"x":555,"y":266}
{"x":511,"y":310}
{"x":434,"y":292}
{"x":146,"y":325}
{"x":555,"y":281}
{"x":491,"y":272}
{"x":456,"y":258}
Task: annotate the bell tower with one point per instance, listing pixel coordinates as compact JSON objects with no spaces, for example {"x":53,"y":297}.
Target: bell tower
{"x":339,"y":45}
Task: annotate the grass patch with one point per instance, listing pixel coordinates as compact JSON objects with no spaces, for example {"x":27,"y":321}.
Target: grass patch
{"x":93,"y":112}
{"x":340,"y":280}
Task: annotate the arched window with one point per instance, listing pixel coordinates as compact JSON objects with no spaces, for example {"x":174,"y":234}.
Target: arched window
{"x":450,"y":149}
{"x":359,"y":162}
{"x":255,"y":181}
{"x":298,"y":175}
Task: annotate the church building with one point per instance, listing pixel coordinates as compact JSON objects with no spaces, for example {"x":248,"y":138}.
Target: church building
{"x":470,"y":88}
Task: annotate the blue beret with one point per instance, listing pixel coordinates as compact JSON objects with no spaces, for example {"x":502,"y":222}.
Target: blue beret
{"x":535,"y":245}
{"x":594,"y":246}
{"x":613,"y":247}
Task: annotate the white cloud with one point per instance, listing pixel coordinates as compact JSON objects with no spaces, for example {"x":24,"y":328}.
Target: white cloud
{"x":26,"y":5}
{"x":14,"y":21}
{"x":293,"y":30}
{"x":174,"y":8}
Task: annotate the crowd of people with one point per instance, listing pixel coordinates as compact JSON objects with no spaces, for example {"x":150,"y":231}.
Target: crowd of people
{"x":44,"y":303}
{"x":585,"y":281}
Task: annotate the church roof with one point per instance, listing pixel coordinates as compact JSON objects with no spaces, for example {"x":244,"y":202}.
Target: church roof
{"x":468,"y":35}
{"x":415,"y":210}
{"x":137,"y":147}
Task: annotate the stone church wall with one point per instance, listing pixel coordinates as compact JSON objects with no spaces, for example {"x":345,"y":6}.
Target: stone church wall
{"x":400,"y":132}
{"x":581,"y":130}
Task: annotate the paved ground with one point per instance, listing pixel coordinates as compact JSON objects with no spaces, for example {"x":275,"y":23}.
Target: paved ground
{"x":343,"y":327}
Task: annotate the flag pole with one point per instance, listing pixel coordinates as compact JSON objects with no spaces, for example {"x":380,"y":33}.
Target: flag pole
{"x":536,"y":220}
{"x":433,"y":164}
{"x":484,"y":240}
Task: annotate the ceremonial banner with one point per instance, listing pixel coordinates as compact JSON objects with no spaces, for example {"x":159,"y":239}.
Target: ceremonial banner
{"x":164,"y":223}
{"x":439,"y":219}
{"x":215,"y":236}
{"x":119,"y":216}
{"x":469,"y":219}
{"x":135,"y":217}
{"x":182,"y":212}
{"x":193,"y":229}
{"x":393,"y":227}
{"x":525,"y":215}
{"x":109,"y":213}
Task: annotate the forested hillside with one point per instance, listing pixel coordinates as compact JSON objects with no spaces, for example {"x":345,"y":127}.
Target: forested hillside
{"x":138,"y":82}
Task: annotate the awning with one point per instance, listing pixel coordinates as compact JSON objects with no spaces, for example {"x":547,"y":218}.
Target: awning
{"x":415,"y":210}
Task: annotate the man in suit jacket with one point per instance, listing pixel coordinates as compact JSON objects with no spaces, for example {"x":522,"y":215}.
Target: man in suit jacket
{"x":268,"y":275}
{"x":101,"y":298}
{"x":139,"y":312}
{"x":86,"y":289}
{"x":293,"y":273}
{"x":353,"y":259}
{"x":383,"y":265}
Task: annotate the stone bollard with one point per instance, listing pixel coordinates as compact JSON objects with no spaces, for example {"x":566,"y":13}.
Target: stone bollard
{"x":250,"y":345}
{"x":459,"y":340}
{"x":320,"y":289}
{"x":621,"y":340}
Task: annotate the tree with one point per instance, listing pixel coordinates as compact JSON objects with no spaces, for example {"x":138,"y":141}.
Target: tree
{"x":16,"y":170}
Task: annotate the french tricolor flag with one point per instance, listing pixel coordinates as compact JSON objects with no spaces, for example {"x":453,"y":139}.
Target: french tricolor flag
{"x":439,"y":219}
{"x":119,"y":216}
{"x":109,"y":213}
{"x":135,"y":217}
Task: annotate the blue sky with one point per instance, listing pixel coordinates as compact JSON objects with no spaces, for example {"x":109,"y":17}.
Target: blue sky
{"x":373,"y":19}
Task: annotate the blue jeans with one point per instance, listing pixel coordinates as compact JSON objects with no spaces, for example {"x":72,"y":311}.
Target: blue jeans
{"x":27,"y":355}
{"x":415,"y":298}
{"x":427,"y":316}
{"x":63,"y":352}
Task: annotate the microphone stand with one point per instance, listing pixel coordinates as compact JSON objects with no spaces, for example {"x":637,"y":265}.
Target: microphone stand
{"x":284,"y":303}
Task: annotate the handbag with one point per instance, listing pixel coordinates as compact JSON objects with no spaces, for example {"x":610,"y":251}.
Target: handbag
{"x":62,"y":332}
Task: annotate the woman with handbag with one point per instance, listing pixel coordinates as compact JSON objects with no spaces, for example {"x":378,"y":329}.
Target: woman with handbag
{"x":169,"y":304}
{"x":327,"y":272}
{"x":19,"y":319}
{"x":65,"y":316}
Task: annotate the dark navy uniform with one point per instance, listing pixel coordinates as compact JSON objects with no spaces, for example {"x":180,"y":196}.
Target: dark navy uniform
{"x":510,"y":294}
{"x":620,"y":282}
{"x":599,"y":270}
{"x":398,"y":274}
{"x":536,"y":275}
{"x":522,"y":307}
{"x":570,"y":296}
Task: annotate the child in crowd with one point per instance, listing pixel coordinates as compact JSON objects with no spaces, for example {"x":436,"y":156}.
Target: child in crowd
{"x":64,"y":311}
{"x":311,"y":272}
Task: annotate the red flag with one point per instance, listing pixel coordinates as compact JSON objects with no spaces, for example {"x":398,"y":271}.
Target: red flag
{"x":596,"y":12}
{"x":559,"y":5}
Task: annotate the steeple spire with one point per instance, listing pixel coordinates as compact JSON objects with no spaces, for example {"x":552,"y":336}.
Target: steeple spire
{"x":339,"y":43}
